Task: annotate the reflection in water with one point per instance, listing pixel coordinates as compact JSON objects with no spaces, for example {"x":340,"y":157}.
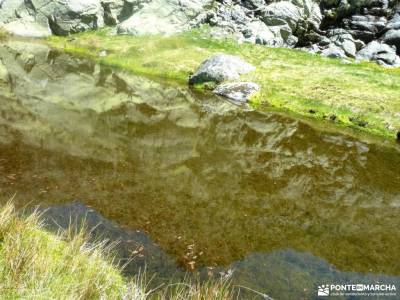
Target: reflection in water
{"x":209,"y":182}
{"x":282,"y":274}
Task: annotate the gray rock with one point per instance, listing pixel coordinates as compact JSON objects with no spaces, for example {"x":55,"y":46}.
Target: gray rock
{"x":349,"y":48}
{"x":343,"y":40}
{"x":164,"y":17}
{"x":237,"y":91}
{"x":282,"y":13}
{"x":334,"y":51}
{"x":63,"y":17}
{"x":8,"y":10}
{"x":116,"y":11}
{"x":392,"y":37}
{"x":359,"y":44}
{"x":299,"y":16}
{"x":72,"y":16}
{"x":380,"y":52}
{"x":258,"y":33}
{"x":21,"y":27}
{"x":219,"y":68}
{"x":366,"y":23}
{"x":394,"y":23}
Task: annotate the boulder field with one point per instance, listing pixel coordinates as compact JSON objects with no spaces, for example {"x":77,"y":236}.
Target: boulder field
{"x":360,"y":29}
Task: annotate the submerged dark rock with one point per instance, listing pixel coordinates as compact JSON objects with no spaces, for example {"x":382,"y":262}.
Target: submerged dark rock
{"x":134,"y":248}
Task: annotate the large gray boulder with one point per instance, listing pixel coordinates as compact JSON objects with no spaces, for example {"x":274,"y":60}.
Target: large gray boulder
{"x":258,"y":33}
{"x":345,"y":41}
{"x":72,"y":16}
{"x":282,"y":13}
{"x":333,"y":51}
{"x":379,"y":52}
{"x":163,"y":17}
{"x":392,"y":37}
{"x":24,"y":28}
{"x":394,"y":23}
{"x":296,"y":17}
{"x":219,"y":68}
{"x":239,"y":92}
{"x":117,"y":11}
{"x":36,"y":17}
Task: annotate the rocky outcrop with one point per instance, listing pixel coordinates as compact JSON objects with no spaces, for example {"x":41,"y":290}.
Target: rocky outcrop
{"x":26,"y":28}
{"x":116,"y":11}
{"x":219,"y":68}
{"x":36,"y":18}
{"x":333,"y":28}
{"x":277,"y":24}
{"x":163,"y":17}
{"x":363,"y":29}
{"x":379,"y":52}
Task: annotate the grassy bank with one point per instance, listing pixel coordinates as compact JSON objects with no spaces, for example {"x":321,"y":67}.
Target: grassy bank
{"x":36,"y":264}
{"x":358,"y":95}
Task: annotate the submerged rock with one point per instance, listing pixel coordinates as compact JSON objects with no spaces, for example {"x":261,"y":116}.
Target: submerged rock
{"x":148,"y":256}
{"x":219,"y":68}
{"x":237,"y":91}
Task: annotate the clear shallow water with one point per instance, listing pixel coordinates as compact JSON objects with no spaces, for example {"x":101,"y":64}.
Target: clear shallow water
{"x":207,"y":181}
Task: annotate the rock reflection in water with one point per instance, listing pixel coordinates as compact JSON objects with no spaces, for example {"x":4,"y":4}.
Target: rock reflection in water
{"x":193,"y":170}
{"x":282,"y":274}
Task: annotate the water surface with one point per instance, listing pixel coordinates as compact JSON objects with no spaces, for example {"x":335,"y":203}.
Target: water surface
{"x":211,"y":183}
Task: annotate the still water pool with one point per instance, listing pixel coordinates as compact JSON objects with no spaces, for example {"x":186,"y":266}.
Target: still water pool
{"x":208,"y":185}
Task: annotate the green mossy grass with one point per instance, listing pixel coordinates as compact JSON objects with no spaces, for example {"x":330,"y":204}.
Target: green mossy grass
{"x":37,"y":264}
{"x":291,"y":80}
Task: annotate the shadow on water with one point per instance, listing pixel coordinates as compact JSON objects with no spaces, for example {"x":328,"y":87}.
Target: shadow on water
{"x":212,"y":184}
